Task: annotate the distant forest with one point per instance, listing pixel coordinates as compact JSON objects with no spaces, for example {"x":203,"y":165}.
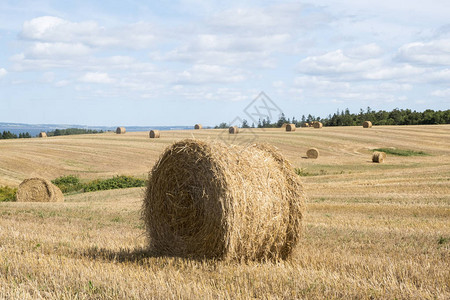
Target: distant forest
{"x":9,"y":135}
{"x":345,"y":118}
{"x":57,"y":132}
{"x":71,"y":131}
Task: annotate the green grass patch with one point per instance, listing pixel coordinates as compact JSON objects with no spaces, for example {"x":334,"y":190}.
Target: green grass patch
{"x":118,"y":182}
{"x":7,"y":193}
{"x":68,"y":184}
{"x":401,"y":152}
{"x":71,"y":183}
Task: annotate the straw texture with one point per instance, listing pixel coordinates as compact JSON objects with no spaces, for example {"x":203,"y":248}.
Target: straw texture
{"x":213,"y":200}
{"x":38,"y":190}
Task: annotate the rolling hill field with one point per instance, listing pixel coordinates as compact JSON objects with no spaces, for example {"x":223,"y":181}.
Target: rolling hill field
{"x":371,"y":230}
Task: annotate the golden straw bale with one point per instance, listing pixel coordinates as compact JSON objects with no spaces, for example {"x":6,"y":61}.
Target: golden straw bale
{"x":120,"y":130}
{"x":154,"y":134}
{"x":42,"y":134}
{"x":233,"y":130}
{"x":198,"y":126}
{"x":367,"y":124}
{"x":305,"y":125}
{"x":378,"y":157}
{"x":214,"y":200}
{"x":318,"y":125}
{"x":312,"y":153}
{"x":290,"y":127}
{"x":38,"y":190}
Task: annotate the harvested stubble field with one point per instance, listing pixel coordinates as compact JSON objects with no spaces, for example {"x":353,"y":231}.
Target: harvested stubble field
{"x":371,"y":230}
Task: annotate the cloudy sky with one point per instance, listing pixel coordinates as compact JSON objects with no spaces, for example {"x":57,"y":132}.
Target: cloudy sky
{"x":133,"y":62}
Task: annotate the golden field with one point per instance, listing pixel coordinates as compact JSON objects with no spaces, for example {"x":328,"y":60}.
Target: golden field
{"x":371,"y":231}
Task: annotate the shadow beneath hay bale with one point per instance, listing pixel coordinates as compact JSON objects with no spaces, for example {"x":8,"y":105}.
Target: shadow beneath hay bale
{"x":305,"y":157}
{"x":138,"y":255}
{"x":122,"y":255}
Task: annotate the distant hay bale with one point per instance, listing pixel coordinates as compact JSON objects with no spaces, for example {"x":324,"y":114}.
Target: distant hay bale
{"x":154,"y":134}
{"x":38,"y":190}
{"x":290,"y":127}
{"x":318,"y":125}
{"x":378,"y":157}
{"x":120,"y":130}
{"x":213,"y":200}
{"x":305,"y":125}
{"x":198,"y":126}
{"x":42,"y":134}
{"x":233,"y":130}
{"x":284,"y":125}
{"x":367,"y":124}
{"x":312,"y":153}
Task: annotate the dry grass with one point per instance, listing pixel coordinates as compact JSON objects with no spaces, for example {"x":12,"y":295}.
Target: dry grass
{"x":371,"y":230}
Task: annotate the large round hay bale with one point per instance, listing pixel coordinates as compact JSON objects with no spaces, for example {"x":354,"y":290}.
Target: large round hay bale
{"x":305,"y":125}
{"x":367,"y":124}
{"x":154,"y":134}
{"x":284,"y":125}
{"x":233,"y":130}
{"x":198,"y":126}
{"x":318,"y":125}
{"x":290,"y":127}
{"x":38,"y":190}
{"x":378,"y":157}
{"x":213,"y":200}
{"x":42,"y":134}
{"x":120,"y":130}
{"x":312,"y":153}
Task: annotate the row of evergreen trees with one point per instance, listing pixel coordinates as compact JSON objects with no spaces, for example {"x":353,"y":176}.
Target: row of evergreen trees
{"x":72,"y":131}
{"x":69,"y":131}
{"x":345,"y":118}
{"x":9,"y":135}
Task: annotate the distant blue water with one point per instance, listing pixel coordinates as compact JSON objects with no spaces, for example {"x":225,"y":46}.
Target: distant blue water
{"x":34,"y":130}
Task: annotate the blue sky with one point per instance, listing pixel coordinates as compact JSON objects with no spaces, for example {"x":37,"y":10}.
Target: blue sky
{"x":185,"y":62}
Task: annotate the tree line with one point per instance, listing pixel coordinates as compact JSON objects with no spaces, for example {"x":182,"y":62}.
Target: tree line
{"x":345,"y":118}
{"x":72,"y":131}
{"x":9,"y":135}
{"x":57,"y":132}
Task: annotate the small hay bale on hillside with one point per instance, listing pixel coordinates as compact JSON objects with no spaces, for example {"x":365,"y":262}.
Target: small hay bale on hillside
{"x":42,"y":134}
{"x":198,"y":126}
{"x":312,"y":153}
{"x":38,"y":190}
{"x":290,"y":127}
{"x":378,"y":157}
{"x":318,"y":125}
{"x":233,"y":130}
{"x":120,"y":130}
{"x":367,"y":124}
{"x":214,"y":200}
{"x":154,"y":134}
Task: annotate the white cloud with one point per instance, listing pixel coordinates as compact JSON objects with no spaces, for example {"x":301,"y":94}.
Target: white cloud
{"x":441,"y":93}
{"x":210,"y":74}
{"x":336,"y":62}
{"x":96,"y":77}
{"x":436,"y":52}
{"x":365,"y":51}
{"x":57,"y":50}
{"x":3,"y":72}
{"x":52,"y":29}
